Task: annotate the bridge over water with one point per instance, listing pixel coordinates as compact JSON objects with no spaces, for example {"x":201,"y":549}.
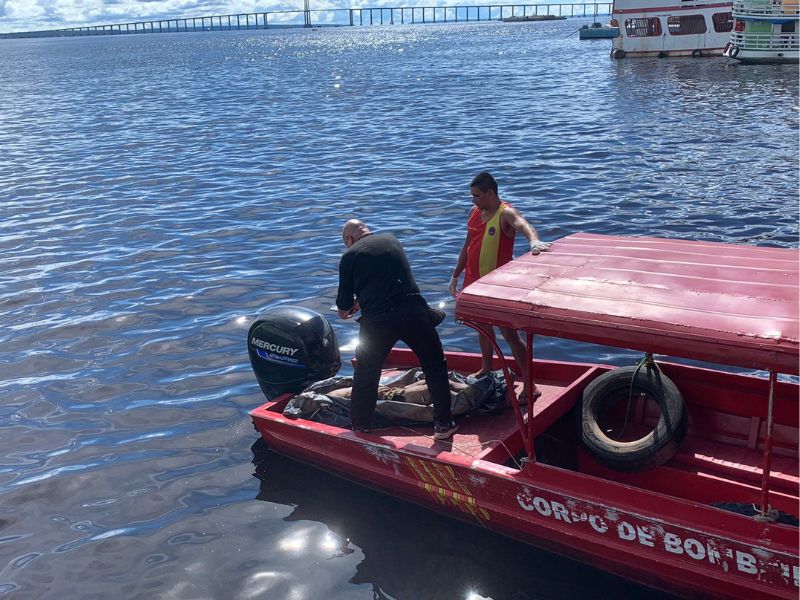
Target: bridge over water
{"x":344,"y":17}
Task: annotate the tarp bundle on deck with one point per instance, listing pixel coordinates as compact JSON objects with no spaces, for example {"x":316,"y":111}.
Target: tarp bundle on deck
{"x":403,"y":399}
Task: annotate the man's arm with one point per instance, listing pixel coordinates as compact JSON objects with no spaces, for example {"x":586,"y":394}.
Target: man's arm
{"x":344,"y":296}
{"x":512,"y":219}
{"x":461,"y":264}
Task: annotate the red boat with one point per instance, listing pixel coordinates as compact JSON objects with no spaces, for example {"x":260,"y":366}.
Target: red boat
{"x":695,"y":497}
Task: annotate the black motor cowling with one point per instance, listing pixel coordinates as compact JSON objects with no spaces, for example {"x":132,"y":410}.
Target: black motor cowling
{"x":291,"y":347}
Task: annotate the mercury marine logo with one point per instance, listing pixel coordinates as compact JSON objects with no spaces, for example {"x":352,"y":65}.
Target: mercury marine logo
{"x":285,"y":350}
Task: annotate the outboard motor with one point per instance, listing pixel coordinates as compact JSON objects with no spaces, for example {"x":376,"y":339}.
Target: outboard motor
{"x":291,"y":347}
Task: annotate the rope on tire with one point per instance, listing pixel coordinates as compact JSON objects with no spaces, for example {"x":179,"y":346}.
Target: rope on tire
{"x":650,"y":362}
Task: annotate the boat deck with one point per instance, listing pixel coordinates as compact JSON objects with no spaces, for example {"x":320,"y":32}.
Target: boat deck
{"x":739,"y":462}
{"x":496,"y":439}
{"x":479,"y":436}
{"x":482,"y":436}
{"x":721,"y":458}
{"x":474,"y":438}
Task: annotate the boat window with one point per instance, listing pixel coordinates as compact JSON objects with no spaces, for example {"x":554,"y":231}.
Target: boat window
{"x":686,"y":25}
{"x":643,"y":27}
{"x":722,"y":22}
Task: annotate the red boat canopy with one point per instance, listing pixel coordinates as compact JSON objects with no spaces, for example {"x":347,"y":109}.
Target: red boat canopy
{"x":708,"y":301}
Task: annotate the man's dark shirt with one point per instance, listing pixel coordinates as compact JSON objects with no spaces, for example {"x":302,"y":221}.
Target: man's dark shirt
{"x":375,"y":269}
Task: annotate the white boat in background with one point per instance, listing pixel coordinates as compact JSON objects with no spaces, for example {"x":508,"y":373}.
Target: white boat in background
{"x":765,"y":31}
{"x":671,"y":27}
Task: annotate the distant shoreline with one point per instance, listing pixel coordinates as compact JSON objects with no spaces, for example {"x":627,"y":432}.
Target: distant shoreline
{"x":336,"y":17}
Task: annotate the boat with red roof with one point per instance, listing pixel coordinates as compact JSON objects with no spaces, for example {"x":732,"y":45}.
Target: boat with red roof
{"x":676,"y":474}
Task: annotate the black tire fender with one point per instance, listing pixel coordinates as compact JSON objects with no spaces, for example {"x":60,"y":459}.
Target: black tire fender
{"x":655,"y":448}
{"x":697,"y":53}
{"x":618,"y":53}
{"x":734,"y":52}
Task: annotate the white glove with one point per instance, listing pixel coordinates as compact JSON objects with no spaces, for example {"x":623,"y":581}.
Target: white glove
{"x":539,"y":246}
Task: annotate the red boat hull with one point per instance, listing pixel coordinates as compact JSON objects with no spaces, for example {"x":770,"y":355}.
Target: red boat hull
{"x":647,"y":536}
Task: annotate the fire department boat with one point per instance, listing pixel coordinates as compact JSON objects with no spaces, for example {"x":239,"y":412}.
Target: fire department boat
{"x":694,"y":497}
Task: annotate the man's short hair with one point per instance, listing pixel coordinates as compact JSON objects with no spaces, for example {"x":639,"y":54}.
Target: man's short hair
{"x":484,"y":181}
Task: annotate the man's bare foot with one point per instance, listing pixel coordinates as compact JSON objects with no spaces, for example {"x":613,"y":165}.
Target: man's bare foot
{"x":523,"y":397}
{"x":479,"y":374}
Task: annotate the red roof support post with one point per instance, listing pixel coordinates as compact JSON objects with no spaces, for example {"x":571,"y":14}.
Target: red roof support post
{"x":766,"y":513}
{"x":529,"y":387}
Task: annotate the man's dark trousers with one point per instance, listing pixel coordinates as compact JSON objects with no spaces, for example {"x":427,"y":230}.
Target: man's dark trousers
{"x":376,"y":339}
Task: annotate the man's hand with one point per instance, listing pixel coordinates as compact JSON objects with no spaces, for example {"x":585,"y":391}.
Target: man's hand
{"x":348,"y":314}
{"x":538,"y":246}
{"x":453,"y":287}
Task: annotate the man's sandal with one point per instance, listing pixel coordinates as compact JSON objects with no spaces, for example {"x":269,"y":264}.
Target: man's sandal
{"x":523,"y":397}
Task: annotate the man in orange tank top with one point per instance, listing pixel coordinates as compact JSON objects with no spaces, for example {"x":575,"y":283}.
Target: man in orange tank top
{"x":491,"y":228}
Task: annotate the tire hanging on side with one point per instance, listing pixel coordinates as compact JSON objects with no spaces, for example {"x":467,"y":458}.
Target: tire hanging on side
{"x":655,"y":448}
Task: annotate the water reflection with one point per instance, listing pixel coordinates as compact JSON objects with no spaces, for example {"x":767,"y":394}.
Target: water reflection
{"x":407,"y":552}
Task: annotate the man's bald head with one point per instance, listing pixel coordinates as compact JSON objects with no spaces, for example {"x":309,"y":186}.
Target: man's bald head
{"x":353,"y":231}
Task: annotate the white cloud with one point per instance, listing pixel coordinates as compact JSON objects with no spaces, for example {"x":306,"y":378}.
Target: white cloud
{"x":28,"y":15}
{"x":22,"y":10}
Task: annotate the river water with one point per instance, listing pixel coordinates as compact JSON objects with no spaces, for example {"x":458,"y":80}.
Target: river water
{"x":158,"y":191}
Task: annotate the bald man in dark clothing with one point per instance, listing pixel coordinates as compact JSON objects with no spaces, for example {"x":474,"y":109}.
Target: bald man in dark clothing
{"x":375,"y":277}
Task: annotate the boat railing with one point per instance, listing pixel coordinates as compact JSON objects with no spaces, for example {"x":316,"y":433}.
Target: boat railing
{"x":765,"y":41}
{"x":774,"y":9}
{"x":693,"y":4}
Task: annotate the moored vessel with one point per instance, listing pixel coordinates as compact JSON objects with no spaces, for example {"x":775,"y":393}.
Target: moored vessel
{"x":524,"y":18}
{"x":655,"y":28}
{"x":680,"y":476}
{"x":765,"y":31}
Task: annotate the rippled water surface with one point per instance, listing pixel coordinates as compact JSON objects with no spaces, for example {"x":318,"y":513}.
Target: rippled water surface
{"x":158,"y":191}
